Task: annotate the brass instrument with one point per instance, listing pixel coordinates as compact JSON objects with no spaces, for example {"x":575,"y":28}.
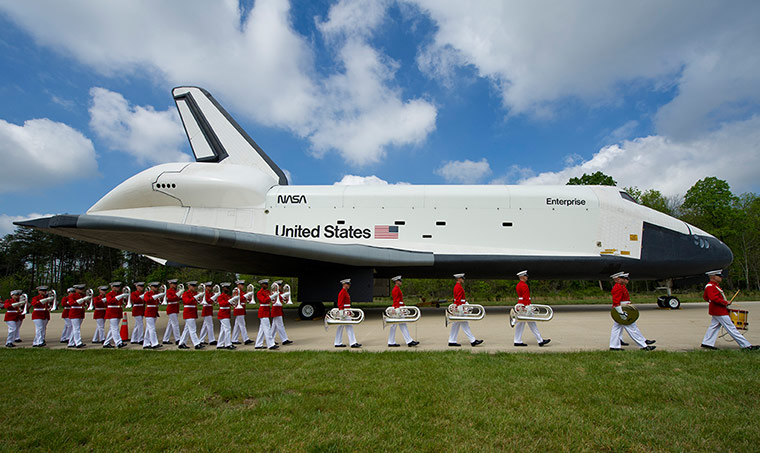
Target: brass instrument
{"x":236,"y":298}
{"x":464,"y":312}
{"x":217,"y":290}
{"x":345,"y":316}
{"x":124,"y":294}
{"x":286,"y":294}
{"x":532,"y":312}
{"x":180,"y":289}
{"x":87,"y":298}
{"x":251,"y":294}
{"x":23,"y":300}
{"x":163,"y":290}
{"x":628,"y":309}
{"x":51,"y":297}
{"x":402,"y":314}
{"x":200,"y":297}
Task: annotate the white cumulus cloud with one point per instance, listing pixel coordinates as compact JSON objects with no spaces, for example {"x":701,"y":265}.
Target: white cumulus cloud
{"x":43,"y":153}
{"x":464,"y":171}
{"x":354,"y":180}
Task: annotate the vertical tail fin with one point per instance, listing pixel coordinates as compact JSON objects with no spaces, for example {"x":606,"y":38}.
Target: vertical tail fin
{"x":216,"y":137}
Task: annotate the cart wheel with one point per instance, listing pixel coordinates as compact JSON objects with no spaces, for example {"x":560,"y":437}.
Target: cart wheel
{"x":673,"y":303}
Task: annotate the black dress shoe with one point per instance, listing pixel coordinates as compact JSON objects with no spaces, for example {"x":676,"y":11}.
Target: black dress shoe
{"x":71,"y":346}
{"x":230,"y":347}
{"x":18,"y":341}
{"x":754,"y":347}
{"x":545,"y":342}
{"x":158,"y":346}
{"x":167,"y":342}
{"x":107,"y":346}
{"x":147,"y":347}
{"x":80,"y":346}
{"x":249,"y":341}
{"x":235,"y":342}
{"x":221,"y":347}
{"x":43,"y":344}
{"x":616,"y":349}
{"x":356,"y":345}
{"x":476,"y":342}
{"x":455,"y":344}
{"x":394,"y":345}
{"x":64,"y":341}
{"x":134,"y":342}
{"x":623,"y":343}
{"x":213,"y":343}
{"x":520,"y":344}
{"x":36,"y":345}
{"x":199,"y":346}
{"x":274,"y":347}
{"x":287,"y":342}
{"x":707,"y":346}
{"x":182,"y":346}
{"x":10,"y":345}
{"x":413,"y":343}
{"x":340,"y":346}
{"x":176,"y":342}
{"x":650,"y":341}
{"x":649,"y":348}
{"x":258,"y":347}
{"x":122,"y":345}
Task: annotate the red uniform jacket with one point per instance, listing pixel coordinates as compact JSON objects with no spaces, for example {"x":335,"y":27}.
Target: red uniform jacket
{"x":459,"y":298}
{"x":344,"y":300}
{"x":113,"y":306}
{"x":40,"y":310}
{"x":224,"y":306}
{"x":172,"y":301}
{"x":619,"y":294}
{"x":11,"y":312}
{"x":190,"y":305}
{"x":398,"y":297}
{"x":208,"y":310}
{"x":718,"y":303}
{"x":151,"y":306}
{"x":76,"y":311}
{"x":99,"y":306}
{"x":277,"y":308}
{"x":138,"y":304}
{"x":264,"y":301}
{"x":523,"y":293}
{"x":65,"y":305}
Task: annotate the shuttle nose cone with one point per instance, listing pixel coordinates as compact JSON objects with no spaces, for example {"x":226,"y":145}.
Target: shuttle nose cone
{"x":717,"y":253}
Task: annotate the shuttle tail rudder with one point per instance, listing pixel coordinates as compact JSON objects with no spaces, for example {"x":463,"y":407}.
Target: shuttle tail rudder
{"x":216,"y":137}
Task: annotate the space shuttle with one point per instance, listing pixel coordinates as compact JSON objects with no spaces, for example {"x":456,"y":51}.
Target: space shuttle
{"x":233,"y":209}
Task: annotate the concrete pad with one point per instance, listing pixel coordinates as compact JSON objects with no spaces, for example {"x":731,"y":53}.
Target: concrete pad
{"x":574,"y":328}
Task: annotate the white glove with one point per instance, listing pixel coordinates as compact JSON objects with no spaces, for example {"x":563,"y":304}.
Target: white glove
{"x":122,"y":296}
{"x":158,"y":296}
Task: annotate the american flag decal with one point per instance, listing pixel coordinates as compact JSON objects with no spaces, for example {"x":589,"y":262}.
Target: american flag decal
{"x":386,"y":232}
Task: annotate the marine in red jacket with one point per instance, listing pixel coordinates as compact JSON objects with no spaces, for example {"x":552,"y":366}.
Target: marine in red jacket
{"x":344,"y":304}
{"x":114,"y":313}
{"x":223,"y":314}
{"x":99,"y":315}
{"x":152,"y":299}
{"x":523,"y":302}
{"x":459,"y":300}
{"x":621,"y":297}
{"x":398,"y":302}
{"x":265,"y":316}
{"x":172,"y":311}
{"x":718,"y":309}
{"x":41,"y":315}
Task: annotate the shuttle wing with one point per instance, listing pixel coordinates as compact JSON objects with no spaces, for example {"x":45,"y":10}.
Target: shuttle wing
{"x":215,"y":248}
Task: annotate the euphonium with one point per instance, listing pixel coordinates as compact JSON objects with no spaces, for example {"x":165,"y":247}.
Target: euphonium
{"x":163,"y":290}
{"x":86,"y":298}
{"x":532,"y":312}
{"x":236,"y":298}
{"x":24,"y":299}
{"x":406,"y":313}
{"x":51,"y":297}
{"x":217,"y":290}
{"x":345,"y":316}
{"x":464,"y":312}
{"x":201,"y":292}
{"x":180,"y":289}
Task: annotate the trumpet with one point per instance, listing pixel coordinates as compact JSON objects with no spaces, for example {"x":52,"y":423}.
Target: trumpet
{"x":401,"y":314}
{"x":345,"y":316}
{"x":532,"y":312}
{"x":465,"y":312}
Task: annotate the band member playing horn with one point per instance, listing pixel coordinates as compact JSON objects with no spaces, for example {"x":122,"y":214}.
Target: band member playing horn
{"x":20,"y":320}
{"x":278,"y":327}
{"x":459,"y":300}
{"x":523,"y":301}
{"x":224,"y":317}
{"x":114,"y":313}
{"x":41,"y":315}
{"x":621,"y":297}
{"x":138,"y":312}
{"x":12,"y":307}
{"x":240,"y":330}
{"x":344,"y":304}
{"x":398,"y":302}
{"x":77,"y":307}
{"x":265,"y":299}
{"x":190,"y":314}
{"x":65,"y":304}
{"x":99,"y":315}
{"x":152,"y":299}
{"x":718,"y":309}
{"x":207,"y":313}
{"x":172,"y":312}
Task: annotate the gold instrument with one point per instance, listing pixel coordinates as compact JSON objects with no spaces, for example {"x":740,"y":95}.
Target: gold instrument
{"x":406,"y":313}
{"x":464,"y":312}
{"x":532,"y":312}
{"x":628,"y":309}
{"x":345,"y":316}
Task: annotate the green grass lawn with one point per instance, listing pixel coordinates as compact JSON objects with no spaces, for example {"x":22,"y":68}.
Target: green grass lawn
{"x":398,"y":401}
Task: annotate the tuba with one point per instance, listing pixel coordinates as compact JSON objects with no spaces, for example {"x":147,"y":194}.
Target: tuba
{"x":465,"y":312}
{"x":401,"y":314}
{"x":532,"y":312}
{"x":345,"y":316}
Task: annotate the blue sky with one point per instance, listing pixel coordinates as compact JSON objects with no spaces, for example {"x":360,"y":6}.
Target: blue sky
{"x":657,"y":94}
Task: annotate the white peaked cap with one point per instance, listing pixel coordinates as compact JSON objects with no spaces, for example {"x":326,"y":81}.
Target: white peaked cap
{"x":619,"y":275}
{"x":264,"y":281}
{"x":522,"y":273}
{"x":715,"y":272}
{"x":458,"y":275}
{"x":347,"y":280}
{"x":396,"y":278}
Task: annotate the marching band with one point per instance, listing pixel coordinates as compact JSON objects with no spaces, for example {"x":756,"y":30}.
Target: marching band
{"x":145,"y":309}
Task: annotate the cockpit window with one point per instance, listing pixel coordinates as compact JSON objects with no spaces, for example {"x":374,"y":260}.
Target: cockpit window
{"x":627,"y":197}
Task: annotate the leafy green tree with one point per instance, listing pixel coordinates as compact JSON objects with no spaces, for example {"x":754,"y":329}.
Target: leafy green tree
{"x":655,"y":200}
{"x":710,"y":205}
{"x":595,"y":179}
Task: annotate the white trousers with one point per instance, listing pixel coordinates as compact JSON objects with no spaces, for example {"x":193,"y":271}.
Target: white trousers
{"x":190,"y":330}
{"x":76,"y":332}
{"x":100,"y":331}
{"x":633,"y":332}
{"x":39,"y":331}
{"x":207,"y":329}
{"x":172,"y":327}
{"x":138,"y":333}
{"x":404,"y":332}
{"x":44,"y":330}
{"x":465,"y":325}
{"x":520,"y":327}
{"x":339,"y":334}
{"x":113,"y":332}
{"x":151,"y":337}
{"x":240,"y":330}
{"x":265,"y":333}
{"x":224,"y":333}
{"x":712,"y":331}
{"x":12,"y":329}
{"x":66,"y":329}
{"x":18,"y":329}
{"x":278,"y":327}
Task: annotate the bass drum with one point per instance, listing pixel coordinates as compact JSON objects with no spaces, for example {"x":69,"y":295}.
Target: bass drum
{"x":628,"y":309}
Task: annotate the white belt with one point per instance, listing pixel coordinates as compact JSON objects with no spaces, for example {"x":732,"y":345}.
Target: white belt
{"x":264,"y":305}
{"x":114,"y":306}
{"x":100,"y":309}
{"x":224,"y":308}
{"x":11,"y":311}
{"x":151,"y":306}
{"x":40,"y":309}
{"x":173,"y":303}
{"x":137,"y":305}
